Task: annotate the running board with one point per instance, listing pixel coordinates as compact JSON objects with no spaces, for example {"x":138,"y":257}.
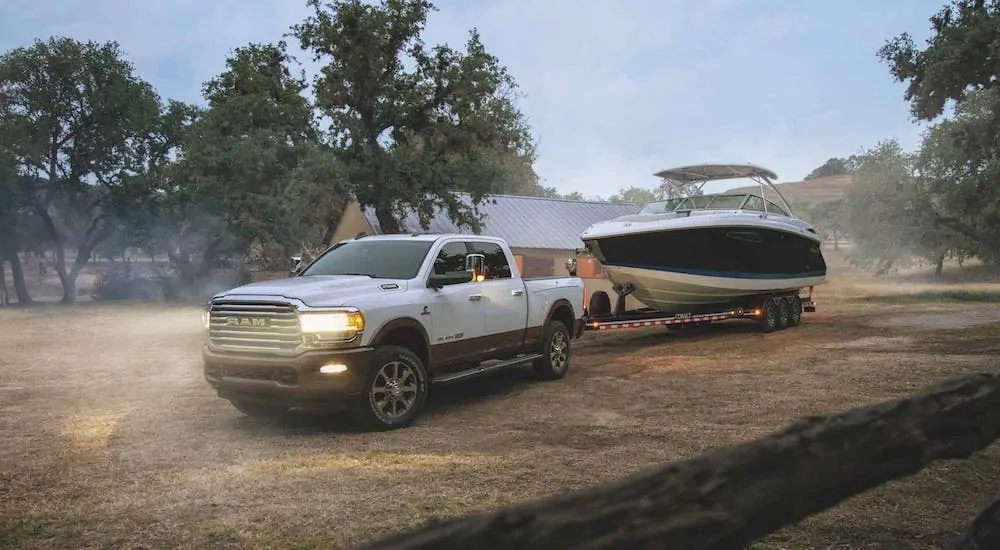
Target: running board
{"x":521,"y":360}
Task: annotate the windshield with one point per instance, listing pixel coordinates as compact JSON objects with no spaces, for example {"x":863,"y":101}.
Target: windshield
{"x":660,"y":207}
{"x":381,"y":259}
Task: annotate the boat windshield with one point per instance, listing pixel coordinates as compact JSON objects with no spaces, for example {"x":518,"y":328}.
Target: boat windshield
{"x":659,"y":207}
{"x":712,"y":202}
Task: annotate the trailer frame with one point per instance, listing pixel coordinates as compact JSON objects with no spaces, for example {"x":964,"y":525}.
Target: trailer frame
{"x":772,"y":311}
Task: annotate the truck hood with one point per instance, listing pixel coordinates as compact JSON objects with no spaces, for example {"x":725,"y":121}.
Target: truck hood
{"x":320,"y":290}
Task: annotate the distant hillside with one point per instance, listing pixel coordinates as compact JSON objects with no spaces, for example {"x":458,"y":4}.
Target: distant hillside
{"x":809,"y":191}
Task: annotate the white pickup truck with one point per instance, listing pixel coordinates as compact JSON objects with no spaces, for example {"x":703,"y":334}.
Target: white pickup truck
{"x":372,"y":322}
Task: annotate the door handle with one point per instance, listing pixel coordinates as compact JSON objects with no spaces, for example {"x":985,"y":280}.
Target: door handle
{"x":517,"y":292}
{"x":475,"y":297}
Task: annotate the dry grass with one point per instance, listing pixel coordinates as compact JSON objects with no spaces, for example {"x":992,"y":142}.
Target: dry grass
{"x":112,"y":439}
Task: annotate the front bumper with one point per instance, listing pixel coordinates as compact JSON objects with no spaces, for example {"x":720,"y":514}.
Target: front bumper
{"x":289,"y":381}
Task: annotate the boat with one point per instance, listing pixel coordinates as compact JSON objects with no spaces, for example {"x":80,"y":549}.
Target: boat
{"x":694,"y":252}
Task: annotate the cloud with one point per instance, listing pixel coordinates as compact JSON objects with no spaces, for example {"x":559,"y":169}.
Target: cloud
{"x":614,"y":90}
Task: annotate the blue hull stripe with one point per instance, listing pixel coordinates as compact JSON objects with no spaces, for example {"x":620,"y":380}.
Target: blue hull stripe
{"x":724,"y":274}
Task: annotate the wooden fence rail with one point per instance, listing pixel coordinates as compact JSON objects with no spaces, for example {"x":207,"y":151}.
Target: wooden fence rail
{"x":731,"y":496}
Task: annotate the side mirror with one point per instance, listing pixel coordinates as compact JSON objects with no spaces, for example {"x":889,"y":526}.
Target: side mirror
{"x":296,"y":266}
{"x":438,"y":280}
{"x":475,"y":265}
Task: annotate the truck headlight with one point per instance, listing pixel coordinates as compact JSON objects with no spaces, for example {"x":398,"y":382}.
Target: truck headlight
{"x":332,"y":324}
{"x":206,"y":316}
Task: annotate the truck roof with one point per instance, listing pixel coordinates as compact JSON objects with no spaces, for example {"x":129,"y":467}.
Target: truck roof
{"x":428,"y":237}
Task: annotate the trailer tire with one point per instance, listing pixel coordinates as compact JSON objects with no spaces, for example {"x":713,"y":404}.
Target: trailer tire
{"x":796,"y":305}
{"x":555,"y":352}
{"x":768,"y":316}
{"x":600,"y":304}
{"x":784,"y":314}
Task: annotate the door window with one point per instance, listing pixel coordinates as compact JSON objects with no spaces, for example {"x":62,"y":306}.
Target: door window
{"x":451,"y":259}
{"x":497,"y":266}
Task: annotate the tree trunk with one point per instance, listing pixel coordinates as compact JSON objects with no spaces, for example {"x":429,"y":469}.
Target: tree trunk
{"x":4,"y":296}
{"x":17,"y":273}
{"x":68,"y":278}
{"x":836,"y":240}
{"x":387,"y":223}
{"x":730,"y":496}
{"x":939,"y":268}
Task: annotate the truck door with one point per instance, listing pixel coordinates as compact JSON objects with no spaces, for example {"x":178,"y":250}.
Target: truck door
{"x":505,"y":299}
{"x":457,"y":311}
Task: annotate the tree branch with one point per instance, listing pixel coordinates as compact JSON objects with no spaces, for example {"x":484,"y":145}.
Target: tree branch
{"x":733,"y":495}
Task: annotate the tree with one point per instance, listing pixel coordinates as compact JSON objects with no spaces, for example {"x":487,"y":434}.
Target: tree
{"x":830,"y":219}
{"x":636,"y":195}
{"x":960,"y":157}
{"x":254,"y":181}
{"x":76,"y":119}
{"x":411,"y":138}
{"x":890,"y":211}
{"x":834,"y":167}
{"x":963,"y":190}
{"x":963,"y":54}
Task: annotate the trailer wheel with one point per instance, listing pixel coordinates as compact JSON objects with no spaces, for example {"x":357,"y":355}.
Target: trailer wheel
{"x":784,"y":314}
{"x":768,"y":316}
{"x":600,"y":304}
{"x":796,"y":306}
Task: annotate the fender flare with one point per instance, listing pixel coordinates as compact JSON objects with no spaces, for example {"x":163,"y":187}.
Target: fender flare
{"x":397,"y":323}
{"x":561,"y":302}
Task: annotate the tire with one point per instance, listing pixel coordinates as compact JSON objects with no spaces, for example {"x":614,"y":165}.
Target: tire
{"x":784,"y":314}
{"x":394,"y":391}
{"x":555,"y":352}
{"x":600,"y":304}
{"x":768,"y":316}
{"x":260,"y":410}
{"x":796,"y":305}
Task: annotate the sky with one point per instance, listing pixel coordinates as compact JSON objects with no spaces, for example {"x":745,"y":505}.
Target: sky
{"x":614,"y":90}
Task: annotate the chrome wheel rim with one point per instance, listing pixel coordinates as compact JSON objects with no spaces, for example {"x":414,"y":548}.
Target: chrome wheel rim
{"x":559,"y":351}
{"x":394,"y":390}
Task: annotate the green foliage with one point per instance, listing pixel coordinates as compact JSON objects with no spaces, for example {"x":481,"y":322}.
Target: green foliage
{"x":77,"y":121}
{"x":891,"y":211}
{"x":834,"y":167}
{"x":962,"y":54}
{"x":636,"y":195}
{"x":254,"y":181}
{"x":411,"y":138}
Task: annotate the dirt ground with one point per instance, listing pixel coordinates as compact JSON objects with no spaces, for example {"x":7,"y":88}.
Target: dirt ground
{"x":111,"y":438}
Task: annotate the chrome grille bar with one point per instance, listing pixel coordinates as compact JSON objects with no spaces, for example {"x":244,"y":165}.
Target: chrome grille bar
{"x":254,"y":326}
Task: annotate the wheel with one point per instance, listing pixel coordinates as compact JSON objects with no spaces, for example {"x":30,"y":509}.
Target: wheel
{"x":395,"y":390}
{"x":795,"y":303}
{"x":600,"y":304}
{"x":555,"y":352}
{"x":259,"y":410}
{"x":769,"y":316}
{"x":784,"y":314}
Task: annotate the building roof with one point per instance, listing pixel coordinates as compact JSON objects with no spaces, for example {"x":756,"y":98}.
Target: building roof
{"x":524,"y":222}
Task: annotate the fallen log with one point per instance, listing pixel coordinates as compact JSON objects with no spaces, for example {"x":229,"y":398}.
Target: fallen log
{"x":731,"y":496}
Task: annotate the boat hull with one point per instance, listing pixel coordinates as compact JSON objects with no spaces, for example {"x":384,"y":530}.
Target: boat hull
{"x":682,"y":270}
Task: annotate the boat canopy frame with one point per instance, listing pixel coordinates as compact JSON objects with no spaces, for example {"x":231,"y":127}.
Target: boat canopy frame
{"x":704,"y":173}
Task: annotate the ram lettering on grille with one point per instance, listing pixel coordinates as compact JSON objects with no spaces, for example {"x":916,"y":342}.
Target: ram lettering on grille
{"x":254,"y":326}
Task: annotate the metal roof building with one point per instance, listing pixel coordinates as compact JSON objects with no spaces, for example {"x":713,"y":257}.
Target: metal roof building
{"x":524,"y":222}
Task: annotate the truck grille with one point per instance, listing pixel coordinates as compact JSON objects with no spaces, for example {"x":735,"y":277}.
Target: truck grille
{"x":254,"y":327}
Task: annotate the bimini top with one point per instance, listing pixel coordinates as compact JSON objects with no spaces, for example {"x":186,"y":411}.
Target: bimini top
{"x":714,"y":172}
